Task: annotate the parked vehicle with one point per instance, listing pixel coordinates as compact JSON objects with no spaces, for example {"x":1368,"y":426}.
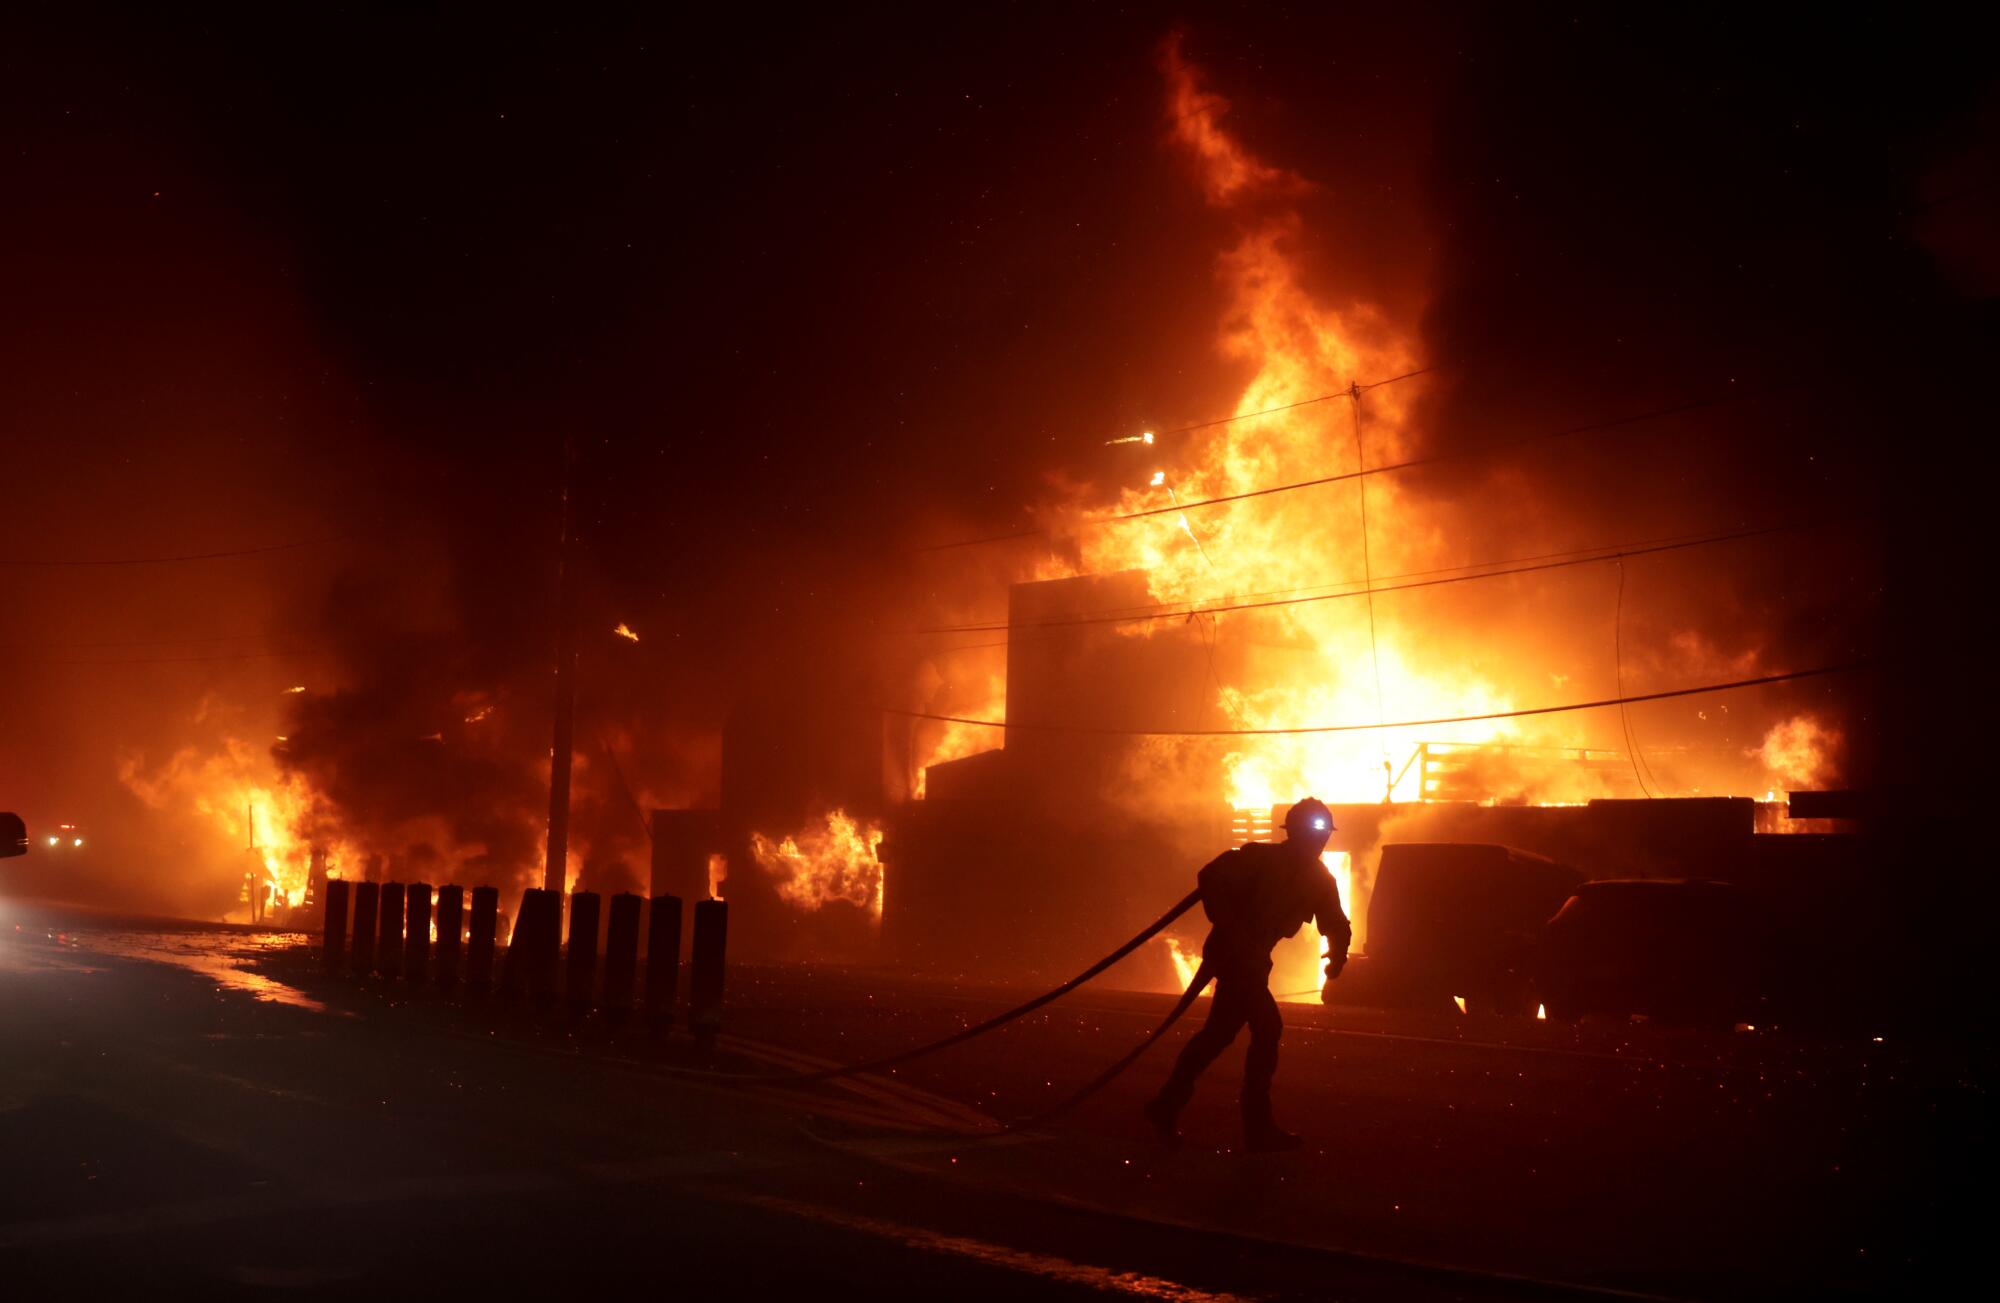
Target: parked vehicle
{"x":1461,"y":920}
{"x":1679,"y":950}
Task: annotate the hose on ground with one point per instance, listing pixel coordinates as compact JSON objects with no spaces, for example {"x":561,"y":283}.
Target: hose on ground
{"x":998,"y":1020}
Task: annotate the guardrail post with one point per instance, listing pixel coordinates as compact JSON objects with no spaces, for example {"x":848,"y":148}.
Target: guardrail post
{"x":389,"y":941}
{"x":663,"y":959}
{"x":451,"y":926}
{"x":586,"y":910}
{"x":621,"y":954}
{"x":417,"y":936}
{"x":711,"y":943}
{"x":367,"y":904}
{"x":479,"y":944}
{"x":535,"y":947}
{"x":333,"y":934}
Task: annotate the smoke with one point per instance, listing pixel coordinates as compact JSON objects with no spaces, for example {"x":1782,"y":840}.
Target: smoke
{"x":254,"y":310}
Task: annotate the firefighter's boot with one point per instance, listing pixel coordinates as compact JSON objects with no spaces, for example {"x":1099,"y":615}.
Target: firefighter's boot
{"x":1262,"y":1134}
{"x":1163,"y":1111}
{"x":1270,"y":1139}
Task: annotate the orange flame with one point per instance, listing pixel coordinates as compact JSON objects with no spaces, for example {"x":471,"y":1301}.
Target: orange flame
{"x":1801,"y":752}
{"x":224,"y":787}
{"x":833,"y":860}
{"x":1311,"y":662}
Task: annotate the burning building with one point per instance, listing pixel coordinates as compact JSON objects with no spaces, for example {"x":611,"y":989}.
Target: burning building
{"x":1290,"y":600}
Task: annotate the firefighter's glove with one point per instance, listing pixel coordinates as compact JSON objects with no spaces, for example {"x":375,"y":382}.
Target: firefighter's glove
{"x":1334,"y":963}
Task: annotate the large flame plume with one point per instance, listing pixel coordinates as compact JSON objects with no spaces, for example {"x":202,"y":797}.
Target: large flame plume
{"x":834,"y":858}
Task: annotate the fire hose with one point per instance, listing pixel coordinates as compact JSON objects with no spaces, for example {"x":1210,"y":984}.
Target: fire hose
{"x":1201,"y":979}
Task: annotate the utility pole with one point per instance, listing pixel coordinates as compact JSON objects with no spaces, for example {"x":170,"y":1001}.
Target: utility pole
{"x":555,"y":871}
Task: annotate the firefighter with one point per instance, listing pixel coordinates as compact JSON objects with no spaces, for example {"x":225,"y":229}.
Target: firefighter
{"x":1254,"y":897}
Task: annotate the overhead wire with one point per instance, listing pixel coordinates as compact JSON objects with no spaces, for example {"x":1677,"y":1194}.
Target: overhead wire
{"x":1317,"y":592}
{"x":275,"y":654}
{"x":1368,"y":568}
{"x":1350,"y":391}
{"x":262,"y":550}
{"x":1618,"y":663}
{"x":1563,"y":560}
{"x":1504,"y":445}
{"x":1622,"y":699}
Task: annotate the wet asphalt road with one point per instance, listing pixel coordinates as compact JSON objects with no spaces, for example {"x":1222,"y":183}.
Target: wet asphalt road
{"x":162,"y":1125}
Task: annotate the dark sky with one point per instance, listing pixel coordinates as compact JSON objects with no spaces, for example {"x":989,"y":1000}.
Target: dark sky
{"x":798,"y":293}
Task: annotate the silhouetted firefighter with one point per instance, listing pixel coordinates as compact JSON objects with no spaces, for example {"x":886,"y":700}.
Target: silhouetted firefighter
{"x":1255,"y":896}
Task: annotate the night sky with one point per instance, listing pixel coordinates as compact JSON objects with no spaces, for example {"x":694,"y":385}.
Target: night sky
{"x":797,"y":295}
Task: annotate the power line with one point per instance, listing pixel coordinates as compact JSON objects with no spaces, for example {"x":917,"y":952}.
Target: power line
{"x":1618,"y":670}
{"x":191,"y":641}
{"x":1368,"y":566}
{"x":1566,"y":559}
{"x":163,"y":660}
{"x":1404,"y":723}
{"x":268,"y":548}
{"x":1184,"y":607}
{"x":1502,"y":446}
{"x":1635,"y":418}
{"x":1349,"y":392}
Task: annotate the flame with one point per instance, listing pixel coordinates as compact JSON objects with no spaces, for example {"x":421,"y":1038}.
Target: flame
{"x":1185,"y":959}
{"x":1316,"y":661}
{"x":833,"y":860}
{"x":625,"y":631}
{"x":1801,"y":751}
{"x":226,"y":787}
{"x":941,"y":741}
{"x":718,"y":869}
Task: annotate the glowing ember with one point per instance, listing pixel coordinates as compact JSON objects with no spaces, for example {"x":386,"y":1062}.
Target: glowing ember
{"x":625,"y":631}
{"x":835,"y":860}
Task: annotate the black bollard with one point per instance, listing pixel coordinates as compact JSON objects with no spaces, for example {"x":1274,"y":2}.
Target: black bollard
{"x":333,"y":937}
{"x":532,"y":952}
{"x":367,"y":903}
{"x":417,"y":935}
{"x":514,"y":963}
{"x":663,"y":959}
{"x":389,"y":941}
{"x":586,"y":909}
{"x":711,"y":943}
{"x":621,"y":954}
{"x":545,"y":948}
{"x":479,"y":945}
{"x":451,"y":926}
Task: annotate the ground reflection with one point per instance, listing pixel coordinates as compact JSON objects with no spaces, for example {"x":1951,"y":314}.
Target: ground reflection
{"x":224,"y":958}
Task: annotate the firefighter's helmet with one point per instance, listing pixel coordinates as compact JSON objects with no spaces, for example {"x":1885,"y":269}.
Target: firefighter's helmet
{"x":1308,"y":818}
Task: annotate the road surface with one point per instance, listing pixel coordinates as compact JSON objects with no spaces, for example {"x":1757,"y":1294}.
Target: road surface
{"x":198,"y":1107}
